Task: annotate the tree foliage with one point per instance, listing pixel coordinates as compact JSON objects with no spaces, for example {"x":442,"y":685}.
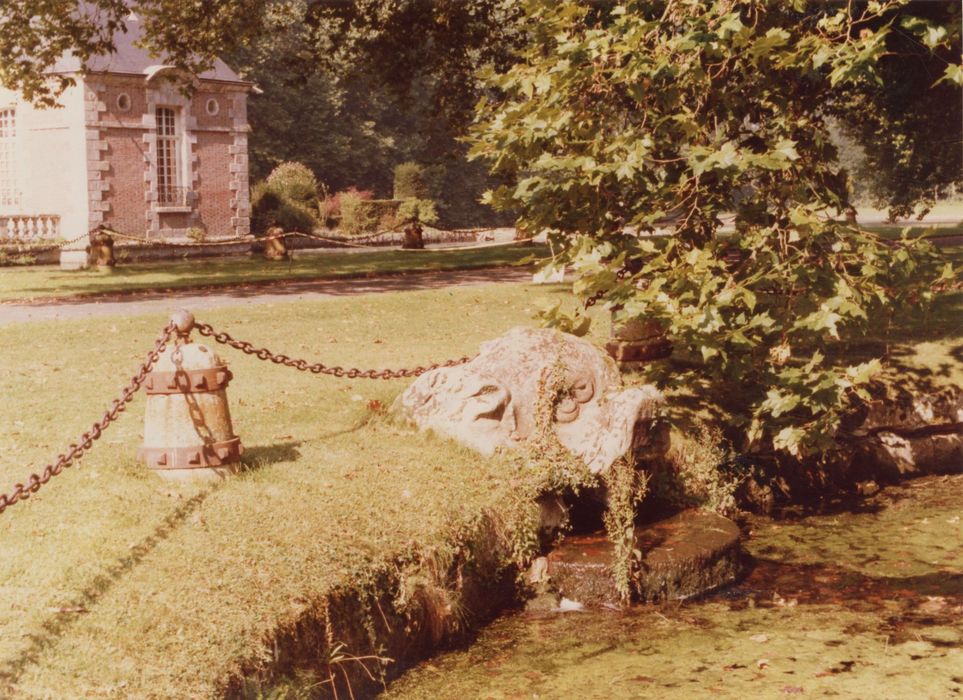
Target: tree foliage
{"x":352,"y":89}
{"x":907,"y":121}
{"x":621,"y":119}
{"x":411,"y":181}
{"x":35,"y":34}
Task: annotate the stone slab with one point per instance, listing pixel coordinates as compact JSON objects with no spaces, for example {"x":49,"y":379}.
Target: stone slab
{"x":688,"y":554}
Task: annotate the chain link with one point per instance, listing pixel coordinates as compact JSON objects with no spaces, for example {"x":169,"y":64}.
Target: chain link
{"x":247,"y":348}
{"x":77,"y":449}
{"x":621,"y":274}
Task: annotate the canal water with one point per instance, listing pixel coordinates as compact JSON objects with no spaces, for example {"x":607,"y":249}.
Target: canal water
{"x":859,"y":600}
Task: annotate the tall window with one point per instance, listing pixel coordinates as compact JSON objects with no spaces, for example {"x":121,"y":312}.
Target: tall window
{"x":9,"y":196}
{"x":168,"y":158}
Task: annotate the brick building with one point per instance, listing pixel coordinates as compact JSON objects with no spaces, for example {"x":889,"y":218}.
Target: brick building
{"x":128,"y":148}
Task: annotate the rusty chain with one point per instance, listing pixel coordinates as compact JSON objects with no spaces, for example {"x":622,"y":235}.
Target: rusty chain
{"x":247,"y":348}
{"x":620,"y":275}
{"x":77,"y":449}
{"x":351,"y":242}
{"x":28,"y":247}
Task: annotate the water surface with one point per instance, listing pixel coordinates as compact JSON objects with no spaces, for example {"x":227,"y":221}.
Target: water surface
{"x":863,"y":600}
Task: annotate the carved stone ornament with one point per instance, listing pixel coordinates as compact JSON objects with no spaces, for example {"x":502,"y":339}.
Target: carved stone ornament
{"x":491,"y":402}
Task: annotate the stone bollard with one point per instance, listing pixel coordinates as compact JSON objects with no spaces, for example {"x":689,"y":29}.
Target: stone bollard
{"x":187,"y":424}
{"x":413,"y":240}
{"x":275,"y":247}
{"x":637,"y":342}
{"x":101,"y":249}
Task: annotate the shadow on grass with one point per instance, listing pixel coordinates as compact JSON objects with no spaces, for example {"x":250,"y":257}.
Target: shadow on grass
{"x":59,"y":623}
{"x":154,"y":278}
{"x":260,"y":456}
{"x":265,"y":455}
{"x":342,"y":284}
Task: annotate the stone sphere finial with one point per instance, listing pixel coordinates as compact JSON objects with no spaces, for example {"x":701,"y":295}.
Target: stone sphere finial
{"x":183,"y":322}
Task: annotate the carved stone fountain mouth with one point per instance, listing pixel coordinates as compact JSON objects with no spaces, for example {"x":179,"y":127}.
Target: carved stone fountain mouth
{"x":492,"y":401}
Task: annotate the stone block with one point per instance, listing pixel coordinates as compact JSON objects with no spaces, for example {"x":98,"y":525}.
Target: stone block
{"x":688,"y":554}
{"x":625,"y":351}
{"x":73,"y":259}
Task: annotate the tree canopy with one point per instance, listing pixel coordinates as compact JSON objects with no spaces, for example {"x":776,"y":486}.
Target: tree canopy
{"x":357,"y":86}
{"x":610,"y":119}
{"x":908,"y":120}
{"x":354,"y":88}
{"x":627,"y":118}
{"x":35,"y":34}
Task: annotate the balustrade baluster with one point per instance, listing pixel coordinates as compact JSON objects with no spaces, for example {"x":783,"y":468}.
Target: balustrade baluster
{"x":29,"y":228}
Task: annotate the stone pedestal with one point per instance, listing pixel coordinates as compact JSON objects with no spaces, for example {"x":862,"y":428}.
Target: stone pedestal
{"x":413,"y":239}
{"x":188,"y":434}
{"x":637,"y":342}
{"x":73,"y":259}
{"x":102,"y":250}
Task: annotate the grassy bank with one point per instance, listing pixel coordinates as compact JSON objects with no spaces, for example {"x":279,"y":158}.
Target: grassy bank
{"x":118,"y":584}
{"x":23,"y":283}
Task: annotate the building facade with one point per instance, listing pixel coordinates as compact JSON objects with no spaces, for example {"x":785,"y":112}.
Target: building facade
{"x":134,"y":146}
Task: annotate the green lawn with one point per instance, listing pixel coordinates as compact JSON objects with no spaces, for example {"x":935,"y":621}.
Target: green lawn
{"x":182,"y":586}
{"x":117,"y":584}
{"x":894,"y":232}
{"x":946,"y":209}
{"x":21,"y":283}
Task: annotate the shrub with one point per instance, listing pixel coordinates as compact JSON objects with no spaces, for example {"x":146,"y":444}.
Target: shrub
{"x":330,"y":207}
{"x":420,"y":211}
{"x":294,"y":182}
{"x":411,"y":180}
{"x":329,"y":210}
{"x":197,"y":234}
{"x":389,"y":221}
{"x":264,"y":205}
{"x":268,"y":208}
{"x":8,"y":260}
{"x":364,"y":215}
{"x":291,"y":217}
{"x":287,"y":198}
{"x":699,"y":472}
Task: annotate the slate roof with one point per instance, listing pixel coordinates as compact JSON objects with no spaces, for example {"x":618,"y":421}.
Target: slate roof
{"x":133,"y":60}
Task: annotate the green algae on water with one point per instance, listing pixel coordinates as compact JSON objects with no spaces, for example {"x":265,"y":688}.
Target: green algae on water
{"x":863,"y":603}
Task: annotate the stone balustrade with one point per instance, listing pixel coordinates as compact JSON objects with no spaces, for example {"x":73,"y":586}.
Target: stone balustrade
{"x":22,"y":228}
